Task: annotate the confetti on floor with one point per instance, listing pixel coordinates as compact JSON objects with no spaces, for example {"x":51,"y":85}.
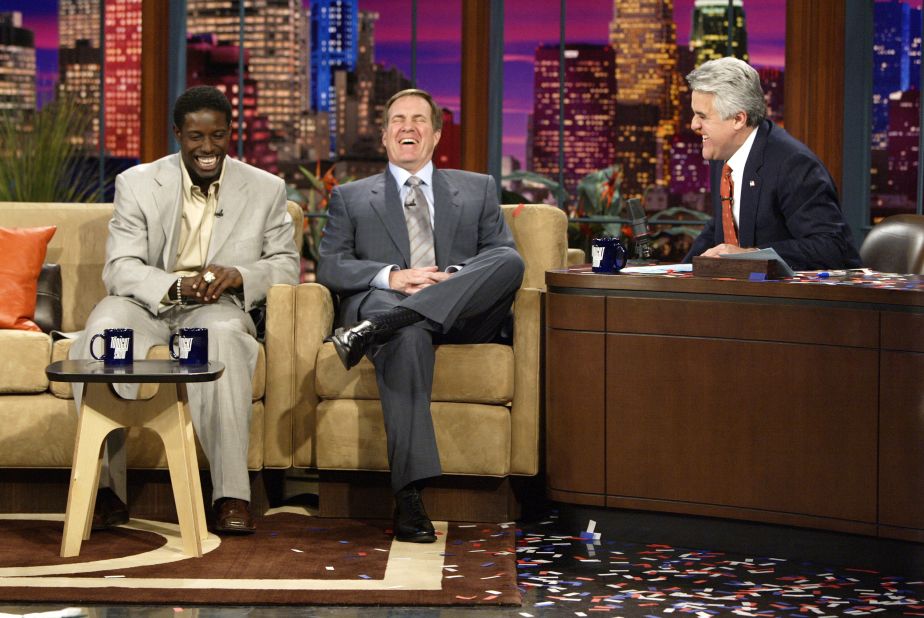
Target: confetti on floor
{"x":564,"y":575}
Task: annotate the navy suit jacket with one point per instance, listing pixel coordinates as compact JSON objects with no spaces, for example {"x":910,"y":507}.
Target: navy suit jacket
{"x":788,"y":202}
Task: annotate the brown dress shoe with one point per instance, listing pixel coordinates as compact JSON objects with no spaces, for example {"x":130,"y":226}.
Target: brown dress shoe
{"x":233,"y":515}
{"x":109,"y":510}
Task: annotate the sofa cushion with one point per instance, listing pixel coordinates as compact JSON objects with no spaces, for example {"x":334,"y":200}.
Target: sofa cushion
{"x":23,"y":361}
{"x":463,"y":373}
{"x":63,"y":389}
{"x":472,"y":438}
{"x":32,"y":420}
{"x":22,"y":252}
{"x":38,"y":431}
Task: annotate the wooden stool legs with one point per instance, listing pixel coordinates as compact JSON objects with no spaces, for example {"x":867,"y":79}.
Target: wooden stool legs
{"x":168,"y":415}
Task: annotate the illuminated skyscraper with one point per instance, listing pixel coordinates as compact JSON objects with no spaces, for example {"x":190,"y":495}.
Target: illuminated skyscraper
{"x":78,"y":20}
{"x":357,"y":128}
{"x":334,"y":46}
{"x":210,"y":63}
{"x":123,"y":78}
{"x":17,"y":65}
{"x":590,"y":108}
{"x":904,"y":129}
{"x":79,"y":69}
{"x":334,"y":43}
{"x":896,"y":60}
{"x":709,"y":38}
{"x":644,"y":36}
{"x":79,"y":60}
{"x":275,"y":40}
{"x":638,"y":149}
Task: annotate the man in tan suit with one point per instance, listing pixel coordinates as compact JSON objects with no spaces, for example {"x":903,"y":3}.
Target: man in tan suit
{"x":196,"y":240}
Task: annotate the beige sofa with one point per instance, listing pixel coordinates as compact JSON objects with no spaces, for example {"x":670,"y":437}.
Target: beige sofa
{"x":486,"y":398}
{"x":38,"y":418}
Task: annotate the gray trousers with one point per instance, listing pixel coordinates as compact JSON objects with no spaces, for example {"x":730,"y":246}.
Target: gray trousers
{"x":220,"y":410}
{"x":469,"y":307}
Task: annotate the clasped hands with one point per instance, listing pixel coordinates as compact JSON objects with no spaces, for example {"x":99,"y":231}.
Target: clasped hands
{"x":226,"y":278}
{"x":412,"y":280}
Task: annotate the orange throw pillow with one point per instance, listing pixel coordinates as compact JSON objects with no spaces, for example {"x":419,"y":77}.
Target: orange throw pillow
{"x":22,"y":252}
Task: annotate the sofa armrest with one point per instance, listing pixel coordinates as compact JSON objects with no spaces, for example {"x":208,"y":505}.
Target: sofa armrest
{"x":576,"y":257}
{"x":527,"y":382}
{"x":298,"y":319}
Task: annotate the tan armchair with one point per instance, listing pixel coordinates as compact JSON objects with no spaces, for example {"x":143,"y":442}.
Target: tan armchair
{"x":486,"y":398}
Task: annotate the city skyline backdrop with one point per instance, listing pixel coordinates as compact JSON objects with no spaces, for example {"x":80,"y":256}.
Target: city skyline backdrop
{"x":527,"y":25}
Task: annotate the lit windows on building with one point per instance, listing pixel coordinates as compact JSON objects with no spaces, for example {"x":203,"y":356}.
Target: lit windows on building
{"x":17,"y":65}
{"x":589,"y":107}
{"x":709,"y":38}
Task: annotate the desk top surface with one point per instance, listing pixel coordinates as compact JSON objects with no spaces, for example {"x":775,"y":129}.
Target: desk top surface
{"x":851,"y":286}
{"x":141,"y":371}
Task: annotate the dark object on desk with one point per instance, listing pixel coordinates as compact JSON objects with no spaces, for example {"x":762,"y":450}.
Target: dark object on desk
{"x":640,"y":229}
{"x":736,"y":269}
{"x":895,"y":245}
{"x":48,"y":298}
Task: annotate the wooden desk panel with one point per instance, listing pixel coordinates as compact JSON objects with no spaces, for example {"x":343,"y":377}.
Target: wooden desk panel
{"x":741,"y":423}
{"x":901,"y":440}
{"x":743,"y":320}
{"x":574,"y":422}
{"x":826,"y":422}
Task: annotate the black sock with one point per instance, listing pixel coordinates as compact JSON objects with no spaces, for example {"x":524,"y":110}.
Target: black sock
{"x":395,"y":318}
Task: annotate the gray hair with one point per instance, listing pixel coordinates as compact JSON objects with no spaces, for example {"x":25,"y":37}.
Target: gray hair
{"x":736,"y":86}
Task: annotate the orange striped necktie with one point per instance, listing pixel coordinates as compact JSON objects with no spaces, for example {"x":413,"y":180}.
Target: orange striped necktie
{"x":727,"y":193}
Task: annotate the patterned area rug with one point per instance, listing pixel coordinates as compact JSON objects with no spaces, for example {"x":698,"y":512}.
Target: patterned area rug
{"x":292,"y":559}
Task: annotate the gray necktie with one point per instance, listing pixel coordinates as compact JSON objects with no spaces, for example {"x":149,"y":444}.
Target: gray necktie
{"x":419,"y":230}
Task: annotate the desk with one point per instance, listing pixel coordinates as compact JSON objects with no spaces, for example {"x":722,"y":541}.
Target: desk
{"x":797,"y":403}
{"x":102,"y":412}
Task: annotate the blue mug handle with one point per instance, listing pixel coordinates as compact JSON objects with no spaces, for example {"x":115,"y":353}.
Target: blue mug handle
{"x":92,"y":353}
{"x":173,"y":355}
{"x":621,"y":257}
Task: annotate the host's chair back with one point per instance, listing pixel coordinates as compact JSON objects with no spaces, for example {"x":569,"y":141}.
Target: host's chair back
{"x":895,"y":245}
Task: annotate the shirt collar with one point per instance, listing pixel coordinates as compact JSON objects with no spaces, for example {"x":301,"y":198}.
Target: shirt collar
{"x":737,"y":160}
{"x":188,"y":183}
{"x":401,"y":175}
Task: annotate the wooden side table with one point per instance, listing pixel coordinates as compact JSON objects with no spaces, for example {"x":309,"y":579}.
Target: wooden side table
{"x":102,"y":412}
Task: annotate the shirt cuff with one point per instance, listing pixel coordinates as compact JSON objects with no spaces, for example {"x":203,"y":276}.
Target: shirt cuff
{"x":381,"y":279}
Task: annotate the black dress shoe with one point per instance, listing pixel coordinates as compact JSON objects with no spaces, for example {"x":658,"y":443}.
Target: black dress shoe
{"x":232,"y":515}
{"x":412,"y":525}
{"x":352,"y":343}
{"x":109,"y":510}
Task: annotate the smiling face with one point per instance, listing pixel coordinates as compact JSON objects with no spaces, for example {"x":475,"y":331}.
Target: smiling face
{"x":203,"y":139}
{"x":409,"y":136}
{"x":721,"y":138}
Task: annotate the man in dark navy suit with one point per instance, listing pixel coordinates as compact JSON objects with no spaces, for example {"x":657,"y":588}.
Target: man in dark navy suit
{"x":768,"y":189}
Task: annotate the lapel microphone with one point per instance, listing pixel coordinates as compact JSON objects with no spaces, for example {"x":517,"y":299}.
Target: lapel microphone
{"x":220,"y":213}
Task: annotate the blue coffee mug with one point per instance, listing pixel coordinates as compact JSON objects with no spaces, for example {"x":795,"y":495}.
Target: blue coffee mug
{"x":118,"y":347}
{"x":190,"y":346}
{"x":608,"y":254}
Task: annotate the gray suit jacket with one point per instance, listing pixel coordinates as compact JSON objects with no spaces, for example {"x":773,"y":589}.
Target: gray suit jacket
{"x":254,"y":234}
{"x":366,"y":230}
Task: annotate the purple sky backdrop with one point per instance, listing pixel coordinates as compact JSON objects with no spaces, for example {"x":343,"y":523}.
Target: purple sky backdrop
{"x":528,"y":23}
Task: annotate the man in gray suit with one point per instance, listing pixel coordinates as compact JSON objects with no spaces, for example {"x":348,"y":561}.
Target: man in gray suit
{"x":196,"y":240}
{"x":418,"y":256}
